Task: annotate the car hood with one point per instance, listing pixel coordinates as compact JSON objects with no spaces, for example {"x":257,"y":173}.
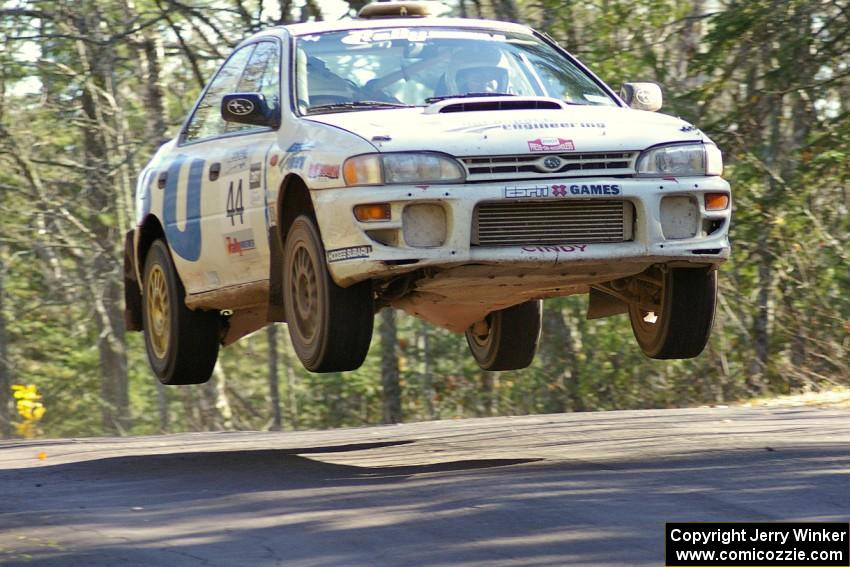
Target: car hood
{"x":495,"y":132}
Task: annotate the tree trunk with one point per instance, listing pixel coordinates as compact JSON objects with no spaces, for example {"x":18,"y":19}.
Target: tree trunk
{"x":223,"y":411}
{"x":154,"y":98}
{"x":162,"y":404}
{"x":389,"y":367}
{"x":274,"y":378}
{"x":506,"y":10}
{"x":489,"y":381}
{"x":561,"y":361}
{"x":102,"y":188}
{"x":291,"y":386}
{"x":427,"y":371}
{"x":553,"y":351}
{"x":5,"y":363}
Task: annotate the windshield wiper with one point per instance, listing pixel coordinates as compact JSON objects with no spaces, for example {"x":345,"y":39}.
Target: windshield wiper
{"x":433,"y":99}
{"x":357,"y":104}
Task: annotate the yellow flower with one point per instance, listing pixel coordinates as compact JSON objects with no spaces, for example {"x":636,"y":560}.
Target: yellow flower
{"x":28,"y":392}
{"x":30,"y":409}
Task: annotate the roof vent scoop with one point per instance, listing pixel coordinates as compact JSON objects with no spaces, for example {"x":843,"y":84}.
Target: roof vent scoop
{"x":402,"y":9}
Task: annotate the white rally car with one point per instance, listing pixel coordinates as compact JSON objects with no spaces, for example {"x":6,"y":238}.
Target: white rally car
{"x":461,"y":170}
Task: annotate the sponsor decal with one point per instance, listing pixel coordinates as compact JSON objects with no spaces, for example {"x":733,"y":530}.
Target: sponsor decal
{"x":594,"y":189}
{"x":301,"y":147}
{"x":547,"y":125}
{"x":293,"y":162}
{"x":551,"y":145}
{"x":526,"y":191}
{"x":240,"y":243}
{"x":238,"y":155}
{"x":255,"y":176}
{"x":560,"y":190}
{"x":556,"y":248}
{"x":476,"y":127}
{"x":363,"y":37}
{"x":273,"y":160}
{"x":235,"y":162}
{"x":323,"y":170}
{"x":352,"y":253}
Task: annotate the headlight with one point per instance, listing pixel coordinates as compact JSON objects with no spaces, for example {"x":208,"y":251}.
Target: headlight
{"x":681,"y":160}
{"x":378,"y":169}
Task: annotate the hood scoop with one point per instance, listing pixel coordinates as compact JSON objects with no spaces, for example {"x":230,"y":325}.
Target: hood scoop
{"x":488,"y":103}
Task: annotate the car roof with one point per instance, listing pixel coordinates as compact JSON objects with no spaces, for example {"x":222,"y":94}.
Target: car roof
{"x":375,"y":23}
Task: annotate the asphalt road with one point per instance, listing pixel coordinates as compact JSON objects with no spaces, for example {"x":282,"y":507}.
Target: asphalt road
{"x":575,"y":489}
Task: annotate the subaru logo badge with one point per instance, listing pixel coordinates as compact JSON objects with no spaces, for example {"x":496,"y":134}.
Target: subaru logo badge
{"x":240,"y":106}
{"x":552,"y":163}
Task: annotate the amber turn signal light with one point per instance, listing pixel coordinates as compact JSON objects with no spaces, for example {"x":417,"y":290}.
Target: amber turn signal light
{"x":373,"y":212}
{"x":716,"y":201}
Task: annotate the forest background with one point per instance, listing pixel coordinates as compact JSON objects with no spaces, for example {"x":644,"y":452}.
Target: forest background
{"x":89,"y":88}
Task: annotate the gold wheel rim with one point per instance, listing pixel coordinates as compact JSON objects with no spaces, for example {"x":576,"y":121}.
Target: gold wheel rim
{"x":304,"y":290}
{"x":158,"y":312}
{"x":650,"y":321}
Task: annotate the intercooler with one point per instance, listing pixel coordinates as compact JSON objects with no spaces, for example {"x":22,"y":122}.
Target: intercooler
{"x":552,"y":222}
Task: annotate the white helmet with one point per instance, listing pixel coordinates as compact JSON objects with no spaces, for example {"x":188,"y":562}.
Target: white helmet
{"x":478,"y":69}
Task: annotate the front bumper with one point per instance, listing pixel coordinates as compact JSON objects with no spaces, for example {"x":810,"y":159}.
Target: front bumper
{"x":363,"y":250}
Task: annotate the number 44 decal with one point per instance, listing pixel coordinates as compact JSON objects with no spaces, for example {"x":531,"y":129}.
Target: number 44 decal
{"x":234,"y":204}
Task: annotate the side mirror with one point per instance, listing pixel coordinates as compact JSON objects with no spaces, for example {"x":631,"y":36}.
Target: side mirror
{"x":249,"y":108}
{"x":642,"y":96}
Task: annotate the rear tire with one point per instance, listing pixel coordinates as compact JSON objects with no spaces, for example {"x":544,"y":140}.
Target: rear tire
{"x":182,"y":345}
{"x":330,"y":326}
{"x":510,"y":341}
{"x":681,"y":330}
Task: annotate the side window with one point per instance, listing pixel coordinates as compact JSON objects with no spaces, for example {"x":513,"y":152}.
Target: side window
{"x":207,"y":121}
{"x":262,"y":75}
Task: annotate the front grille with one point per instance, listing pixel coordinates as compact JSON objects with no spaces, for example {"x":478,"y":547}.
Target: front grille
{"x":552,"y":222}
{"x":487,"y":168}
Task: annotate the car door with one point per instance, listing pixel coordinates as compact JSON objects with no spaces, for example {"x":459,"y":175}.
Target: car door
{"x":242,"y":187}
{"x":220,"y":171}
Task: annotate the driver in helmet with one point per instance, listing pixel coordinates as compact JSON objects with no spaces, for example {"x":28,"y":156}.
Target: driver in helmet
{"x":476,"y":70}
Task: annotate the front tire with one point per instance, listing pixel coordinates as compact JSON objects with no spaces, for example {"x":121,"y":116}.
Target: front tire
{"x":508,"y":338}
{"x":182,"y":345}
{"x":687,"y":299}
{"x":330,"y":326}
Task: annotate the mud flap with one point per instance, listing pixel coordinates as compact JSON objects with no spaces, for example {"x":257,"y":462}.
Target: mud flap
{"x":275,"y":311}
{"x":602,"y":305}
{"x":132,"y":290}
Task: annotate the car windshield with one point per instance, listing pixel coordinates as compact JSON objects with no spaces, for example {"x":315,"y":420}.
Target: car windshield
{"x":397,"y":67}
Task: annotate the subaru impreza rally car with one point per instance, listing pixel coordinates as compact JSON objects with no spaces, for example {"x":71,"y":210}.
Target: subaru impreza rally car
{"x":460,"y":170}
